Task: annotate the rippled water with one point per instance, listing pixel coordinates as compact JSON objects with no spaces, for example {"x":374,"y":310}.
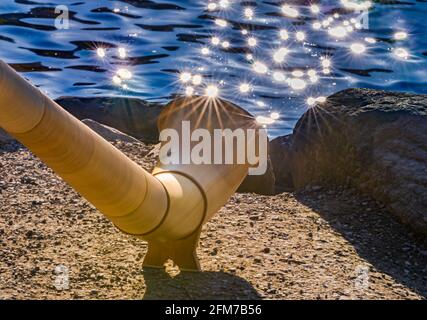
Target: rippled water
{"x":164,"y":39}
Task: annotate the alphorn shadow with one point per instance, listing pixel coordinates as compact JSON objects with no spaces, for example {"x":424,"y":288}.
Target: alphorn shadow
{"x":196,"y":286}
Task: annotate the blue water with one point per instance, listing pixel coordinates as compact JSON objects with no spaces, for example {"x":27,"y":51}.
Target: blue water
{"x":164,"y":38}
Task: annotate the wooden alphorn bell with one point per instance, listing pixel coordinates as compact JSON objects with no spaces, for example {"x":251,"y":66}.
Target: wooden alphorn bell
{"x":166,"y":208}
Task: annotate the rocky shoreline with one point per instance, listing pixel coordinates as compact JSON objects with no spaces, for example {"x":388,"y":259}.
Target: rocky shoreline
{"x":330,"y":235}
{"x":374,"y":141}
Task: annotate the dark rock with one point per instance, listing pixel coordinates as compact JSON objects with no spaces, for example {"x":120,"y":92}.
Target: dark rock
{"x":370,"y":140}
{"x":263,"y":184}
{"x":29,"y":234}
{"x":28,"y":180}
{"x":279,"y":155}
{"x":134,"y":117}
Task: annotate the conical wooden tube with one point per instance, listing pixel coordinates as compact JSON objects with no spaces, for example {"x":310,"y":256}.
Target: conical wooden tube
{"x":113,"y":183}
{"x":167,"y":208}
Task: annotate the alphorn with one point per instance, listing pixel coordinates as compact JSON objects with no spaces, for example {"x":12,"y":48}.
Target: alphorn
{"x":166,"y":208}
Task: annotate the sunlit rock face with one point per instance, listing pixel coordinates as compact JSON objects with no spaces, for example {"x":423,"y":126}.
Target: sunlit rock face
{"x":371,"y":140}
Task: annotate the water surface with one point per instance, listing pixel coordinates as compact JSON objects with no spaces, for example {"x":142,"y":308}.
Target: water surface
{"x":162,"y":39}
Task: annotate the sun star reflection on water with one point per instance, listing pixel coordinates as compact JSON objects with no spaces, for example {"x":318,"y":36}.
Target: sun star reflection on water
{"x":279,"y":65}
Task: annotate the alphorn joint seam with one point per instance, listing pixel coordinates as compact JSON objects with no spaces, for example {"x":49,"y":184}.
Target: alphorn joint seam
{"x":165,"y":215}
{"x":202,"y":192}
{"x":204,"y":213}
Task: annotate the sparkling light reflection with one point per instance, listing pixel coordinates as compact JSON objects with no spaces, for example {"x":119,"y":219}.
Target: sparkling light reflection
{"x":278,"y":60}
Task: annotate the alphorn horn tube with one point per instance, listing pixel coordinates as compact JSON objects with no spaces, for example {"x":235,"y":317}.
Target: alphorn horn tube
{"x":166,"y":208}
